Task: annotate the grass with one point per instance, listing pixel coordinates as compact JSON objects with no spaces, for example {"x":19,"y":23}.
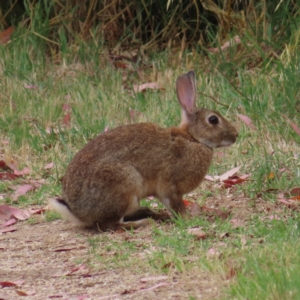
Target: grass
{"x":257,"y":260}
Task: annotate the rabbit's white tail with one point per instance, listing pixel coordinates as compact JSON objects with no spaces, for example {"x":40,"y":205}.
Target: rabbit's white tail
{"x":62,"y":208}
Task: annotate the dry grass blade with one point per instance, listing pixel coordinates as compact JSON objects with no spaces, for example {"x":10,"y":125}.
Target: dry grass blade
{"x":154,"y":25}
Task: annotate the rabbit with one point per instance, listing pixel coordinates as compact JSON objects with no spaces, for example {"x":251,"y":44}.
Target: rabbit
{"x":106,"y":180}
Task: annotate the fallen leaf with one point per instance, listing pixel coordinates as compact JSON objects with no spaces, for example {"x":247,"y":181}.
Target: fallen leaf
{"x":8,"y":229}
{"x":247,"y":121}
{"x":142,"y":87}
{"x":22,"y":190}
{"x":69,"y":248}
{"x":168,"y":265}
{"x":9,"y":222}
{"x":274,"y":217}
{"x":237,"y":223}
{"x":232,"y":273}
{"x":195,"y":210}
{"x":210,"y":178}
{"x":24,"y":293}
{"x":212,"y":252}
{"x":49,"y":166}
{"x":229,"y":173}
{"x":20,"y":214}
{"x":234,"y":41}
{"x":198,"y":233}
{"x":295,"y":127}
{"x":5,"y":35}
{"x":37,"y":211}
{"x":66,"y":107}
{"x":288,"y":202}
{"x":4,"y":166}
{"x":120,"y":65}
{"x":37,"y":183}
{"x":233,"y":180}
{"x":224,"y":234}
{"x":30,"y":87}
{"x":271,"y":176}
{"x":8,"y":176}
{"x":295,"y":191}
{"x":11,"y":283}
{"x":61,"y":273}
{"x":67,"y":119}
{"x":25,"y":171}
{"x":187,"y":202}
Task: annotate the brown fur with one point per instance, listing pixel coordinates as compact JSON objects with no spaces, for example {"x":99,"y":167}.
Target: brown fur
{"x":105,"y":180}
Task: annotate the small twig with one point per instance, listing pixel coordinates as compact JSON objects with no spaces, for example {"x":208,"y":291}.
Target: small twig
{"x":235,"y":88}
{"x":214,"y":99}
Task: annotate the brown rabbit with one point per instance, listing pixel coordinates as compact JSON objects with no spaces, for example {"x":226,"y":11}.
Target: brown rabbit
{"x":106,"y":180}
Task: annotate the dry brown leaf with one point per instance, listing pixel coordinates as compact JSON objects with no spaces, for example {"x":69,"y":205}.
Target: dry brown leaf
{"x":49,"y":166}
{"x":198,"y":233}
{"x":247,"y":121}
{"x":20,"y":214}
{"x":229,"y":173}
{"x":25,"y":171}
{"x":142,"y":87}
{"x":9,"y":222}
{"x":295,"y":191}
{"x":21,"y":190}
{"x":8,"y":229}
{"x":5,"y":35}
{"x":234,"y":41}
{"x":212,"y":252}
{"x":11,"y":283}
{"x":295,"y":127}
{"x":195,"y":210}
{"x":24,"y":293}
{"x":237,"y":223}
{"x":69,"y":248}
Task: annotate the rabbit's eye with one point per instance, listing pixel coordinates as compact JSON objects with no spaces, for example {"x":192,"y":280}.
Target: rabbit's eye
{"x":213,"y":120}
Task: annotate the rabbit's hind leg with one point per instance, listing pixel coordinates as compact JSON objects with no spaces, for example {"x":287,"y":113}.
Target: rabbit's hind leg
{"x":144,"y":213}
{"x":132,"y":217}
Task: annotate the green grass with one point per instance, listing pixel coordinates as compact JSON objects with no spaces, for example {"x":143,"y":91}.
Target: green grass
{"x":264,"y":253}
{"x":271,"y":271}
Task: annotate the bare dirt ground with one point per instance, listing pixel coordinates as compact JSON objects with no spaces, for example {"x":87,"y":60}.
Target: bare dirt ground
{"x":48,"y":260}
{"x":44,"y":256}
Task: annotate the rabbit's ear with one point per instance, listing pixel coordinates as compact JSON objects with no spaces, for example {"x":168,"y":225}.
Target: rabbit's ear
{"x":186,"y":91}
